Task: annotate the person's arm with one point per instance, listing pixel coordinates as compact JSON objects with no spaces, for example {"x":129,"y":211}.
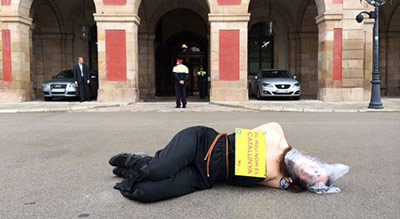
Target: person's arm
{"x":186,"y":77}
{"x":176,"y":76}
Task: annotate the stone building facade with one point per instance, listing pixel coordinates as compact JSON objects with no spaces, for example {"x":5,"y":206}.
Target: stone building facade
{"x":131,"y":45}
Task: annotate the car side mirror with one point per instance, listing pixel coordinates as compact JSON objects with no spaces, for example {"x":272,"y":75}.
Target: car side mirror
{"x":52,"y":77}
{"x":294,"y":77}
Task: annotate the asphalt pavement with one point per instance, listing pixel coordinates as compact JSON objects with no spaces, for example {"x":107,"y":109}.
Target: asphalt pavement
{"x":55,"y":165}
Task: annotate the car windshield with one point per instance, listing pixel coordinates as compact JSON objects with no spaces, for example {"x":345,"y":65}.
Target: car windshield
{"x":66,"y":74}
{"x":276,"y":74}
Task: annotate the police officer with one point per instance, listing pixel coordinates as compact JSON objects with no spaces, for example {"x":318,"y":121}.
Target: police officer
{"x":181,"y":75}
{"x":202,"y":82}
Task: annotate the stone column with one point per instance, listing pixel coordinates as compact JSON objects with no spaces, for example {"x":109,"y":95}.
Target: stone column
{"x":308,"y":63}
{"x":228,"y":54}
{"x":146,"y":65}
{"x":118,"y":57}
{"x":328,"y":88}
{"x":293,"y":53}
{"x":17,"y":86}
{"x":152,"y":64}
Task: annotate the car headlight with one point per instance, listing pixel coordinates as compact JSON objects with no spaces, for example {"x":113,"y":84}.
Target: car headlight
{"x":72,"y":85}
{"x":45,"y":86}
{"x":297,"y":84}
{"x":267,"y":85}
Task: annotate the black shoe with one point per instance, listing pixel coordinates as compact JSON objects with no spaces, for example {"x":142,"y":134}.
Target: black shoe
{"x":178,"y":107}
{"x":121,"y":172}
{"x":184,"y":106}
{"x":126,"y":160}
{"x":120,"y":160}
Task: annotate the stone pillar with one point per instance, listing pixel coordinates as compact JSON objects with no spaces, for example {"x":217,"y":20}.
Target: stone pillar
{"x":293,"y":54}
{"x":228,"y":54}
{"x":147,"y":65}
{"x":118,"y":57}
{"x":152,"y":64}
{"x":15,"y":85}
{"x":340,"y":69}
{"x":308,"y":63}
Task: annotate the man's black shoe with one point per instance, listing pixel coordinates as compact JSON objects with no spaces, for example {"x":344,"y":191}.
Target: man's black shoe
{"x":126,"y":160}
{"x":178,"y":107}
{"x":184,"y":106}
{"x":121,"y":172}
{"x":120,"y":160}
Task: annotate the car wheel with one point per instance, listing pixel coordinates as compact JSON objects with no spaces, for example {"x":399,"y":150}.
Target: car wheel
{"x":296,"y":98}
{"x":48,"y":98}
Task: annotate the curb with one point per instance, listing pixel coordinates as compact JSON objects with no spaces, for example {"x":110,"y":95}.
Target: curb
{"x":303,"y":109}
{"x":62,"y":109}
{"x":257,"y":108}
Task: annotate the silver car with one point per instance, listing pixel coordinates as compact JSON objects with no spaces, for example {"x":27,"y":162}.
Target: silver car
{"x":62,"y":85}
{"x":274,"y":83}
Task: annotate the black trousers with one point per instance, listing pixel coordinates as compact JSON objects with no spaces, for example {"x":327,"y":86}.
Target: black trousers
{"x":202,"y":85}
{"x":180,"y":91}
{"x":84,"y":90}
{"x":180,"y":168}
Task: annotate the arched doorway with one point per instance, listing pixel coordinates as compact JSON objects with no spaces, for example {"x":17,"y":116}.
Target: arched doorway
{"x":180,"y":33}
{"x":62,"y":31}
{"x":291,"y":45}
{"x":390,"y":53}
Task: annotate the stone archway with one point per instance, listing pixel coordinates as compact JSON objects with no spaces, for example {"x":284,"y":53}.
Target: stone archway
{"x":150,"y":14}
{"x":138,"y":3}
{"x":296,"y":34}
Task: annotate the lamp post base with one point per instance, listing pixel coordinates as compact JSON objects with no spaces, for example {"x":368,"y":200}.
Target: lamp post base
{"x":375,"y":106}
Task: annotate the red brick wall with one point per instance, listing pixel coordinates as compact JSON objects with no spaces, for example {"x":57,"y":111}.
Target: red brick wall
{"x":5,"y":2}
{"x":229,"y":55}
{"x":114,"y":2}
{"x":229,"y":2}
{"x":6,"y":43}
{"x":337,"y":54}
{"x":115,"y":55}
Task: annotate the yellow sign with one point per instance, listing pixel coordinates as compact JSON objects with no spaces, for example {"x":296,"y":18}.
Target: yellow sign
{"x":250,"y":157}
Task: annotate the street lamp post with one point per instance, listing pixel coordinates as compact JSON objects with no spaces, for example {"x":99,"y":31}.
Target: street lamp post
{"x":375,"y":102}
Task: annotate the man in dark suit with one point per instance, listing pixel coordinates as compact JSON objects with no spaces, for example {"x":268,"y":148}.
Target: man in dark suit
{"x":82,"y":79}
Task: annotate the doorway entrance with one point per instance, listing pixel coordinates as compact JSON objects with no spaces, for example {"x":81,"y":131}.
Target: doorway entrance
{"x":188,"y":42}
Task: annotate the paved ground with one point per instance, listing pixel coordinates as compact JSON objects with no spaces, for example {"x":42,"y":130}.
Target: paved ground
{"x":54,"y":165}
{"x":167,"y":105}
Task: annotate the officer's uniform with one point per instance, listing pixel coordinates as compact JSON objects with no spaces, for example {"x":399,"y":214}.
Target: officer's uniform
{"x":181,"y":72}
{"x":202,"y":83}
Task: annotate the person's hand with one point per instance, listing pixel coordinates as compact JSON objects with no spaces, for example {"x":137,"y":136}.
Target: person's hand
{"x":76,"y":83}
{"x":88,"y":81}
{"x":181,"y":82}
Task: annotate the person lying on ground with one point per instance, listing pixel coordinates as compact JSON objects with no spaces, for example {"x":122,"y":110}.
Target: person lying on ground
{"x":198,"y":157}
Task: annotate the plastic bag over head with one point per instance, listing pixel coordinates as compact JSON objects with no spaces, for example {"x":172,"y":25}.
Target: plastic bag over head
{"x":313,"y":174}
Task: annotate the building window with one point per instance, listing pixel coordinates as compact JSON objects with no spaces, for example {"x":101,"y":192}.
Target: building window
{"x":261,"y":48}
